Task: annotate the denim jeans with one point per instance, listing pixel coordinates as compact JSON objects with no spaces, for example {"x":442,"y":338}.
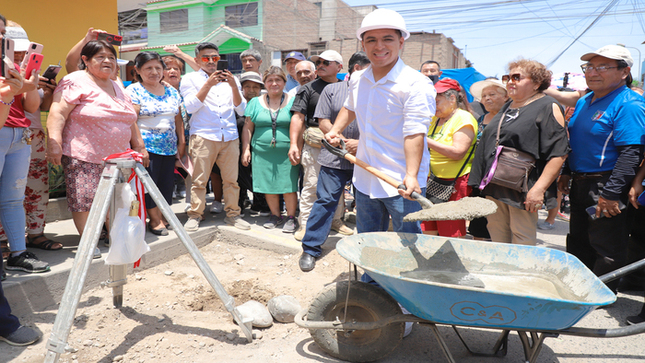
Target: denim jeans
{"x":373,"y":215}
{"x":14,"y":167}
{"x":331,"y":185}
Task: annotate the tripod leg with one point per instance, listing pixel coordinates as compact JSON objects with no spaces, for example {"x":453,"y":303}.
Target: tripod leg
{"x":69,"y":302}
{"x":227,"y":299}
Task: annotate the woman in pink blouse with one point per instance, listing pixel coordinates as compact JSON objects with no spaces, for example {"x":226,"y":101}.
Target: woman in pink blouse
{"x":91,"y":117}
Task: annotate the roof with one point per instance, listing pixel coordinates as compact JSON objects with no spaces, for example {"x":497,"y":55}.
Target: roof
{"x":211,"y":35}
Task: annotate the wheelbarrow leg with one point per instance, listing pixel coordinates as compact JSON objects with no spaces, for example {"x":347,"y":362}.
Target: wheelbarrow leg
{"x":533,"y":346}
{"x":442,"y":343}
{"x":499,"y":350}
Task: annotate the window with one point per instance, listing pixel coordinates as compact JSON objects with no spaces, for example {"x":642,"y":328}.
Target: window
{"x":172,"y":21}
{"x":242,"y":15}
{"x":317,"y":48}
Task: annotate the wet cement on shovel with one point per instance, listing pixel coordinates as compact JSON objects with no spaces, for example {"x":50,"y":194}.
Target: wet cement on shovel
{"x":465,"y":208}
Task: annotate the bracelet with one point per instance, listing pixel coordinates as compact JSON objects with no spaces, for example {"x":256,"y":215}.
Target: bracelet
{"x":8,"y":104}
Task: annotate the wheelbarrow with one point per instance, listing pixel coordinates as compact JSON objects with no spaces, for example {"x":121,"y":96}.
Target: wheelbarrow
{"x":537,"y":292}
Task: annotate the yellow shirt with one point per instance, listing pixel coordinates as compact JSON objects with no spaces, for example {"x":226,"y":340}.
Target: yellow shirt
{"x":443,"y":166}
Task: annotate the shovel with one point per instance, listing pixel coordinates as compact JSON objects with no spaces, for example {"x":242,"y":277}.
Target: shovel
{"x":465,"y":208}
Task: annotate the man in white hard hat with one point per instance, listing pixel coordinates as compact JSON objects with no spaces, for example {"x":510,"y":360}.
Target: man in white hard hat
{"x":392,"y":104}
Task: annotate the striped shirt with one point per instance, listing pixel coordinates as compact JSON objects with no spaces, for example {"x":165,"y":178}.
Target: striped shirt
{"x":330,"y":102}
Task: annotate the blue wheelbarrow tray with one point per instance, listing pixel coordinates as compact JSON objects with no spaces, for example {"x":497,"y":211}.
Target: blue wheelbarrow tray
{"x":465,"y":282}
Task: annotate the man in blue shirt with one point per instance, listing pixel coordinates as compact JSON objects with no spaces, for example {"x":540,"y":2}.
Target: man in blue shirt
{"x":607,"y":134}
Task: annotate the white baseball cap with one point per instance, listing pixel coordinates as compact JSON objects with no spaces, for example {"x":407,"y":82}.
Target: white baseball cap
{"x":383,"y":19}
{"x":610,"y":51}
{"x":19,"y":37}
{"x":330,"y":55}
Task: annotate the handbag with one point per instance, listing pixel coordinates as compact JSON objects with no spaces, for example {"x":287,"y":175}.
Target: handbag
{"x":511,"y":167}
{"x":440,"y":190}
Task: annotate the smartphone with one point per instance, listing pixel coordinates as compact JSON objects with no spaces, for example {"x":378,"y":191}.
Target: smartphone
{"x":51,"y":72}
{"x":35,"y":62}
{"x":31,"y":49}
{"x":110,"y":38}
{"x":591,"y":211}
{"x":7,"y":56}
{"x":222,"y":65}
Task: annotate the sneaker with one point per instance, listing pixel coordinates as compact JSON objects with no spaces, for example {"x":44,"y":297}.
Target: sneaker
{"x":274,"y":221}
{"x":291,"y":225}
{"x":340,"y":227}
{"x":27,"y":262}
{"x":187,"y":208}
{"x":300,"y":234}
{"x":564,"y":216}
{"x":545,"y":225}
{"x":22,"y":336}
{"x":264,"y":213}
{"x":237,"y":222}
{"x":192,"y":224}
{"x":636,"y":319}
{"x":97,"y":253}
{"x":216,"y":207}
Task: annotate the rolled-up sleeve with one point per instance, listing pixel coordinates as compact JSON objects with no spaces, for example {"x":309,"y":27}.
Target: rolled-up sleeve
{"x":242,"y":106}
{"x":189,"y":91}
{"x":419,"y":108}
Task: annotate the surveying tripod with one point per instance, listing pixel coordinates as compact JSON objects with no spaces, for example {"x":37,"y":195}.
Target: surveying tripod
{"x":119,"y":171}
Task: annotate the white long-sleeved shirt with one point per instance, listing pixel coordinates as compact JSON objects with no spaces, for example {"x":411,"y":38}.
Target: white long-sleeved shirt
{"x":398,"y":105}
{"x":213,"y":119}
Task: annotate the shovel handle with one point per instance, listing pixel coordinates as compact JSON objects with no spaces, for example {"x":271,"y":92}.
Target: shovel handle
{"x":377,"y":173}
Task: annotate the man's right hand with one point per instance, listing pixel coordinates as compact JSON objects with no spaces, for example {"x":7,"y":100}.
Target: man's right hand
{"x":214,"y":79}
{"x":563,"y":184}
{"x":333,"y":137}
{"x":294,"y":154}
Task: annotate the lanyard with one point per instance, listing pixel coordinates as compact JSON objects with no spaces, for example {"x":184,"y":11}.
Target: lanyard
{"x":274,"y":118}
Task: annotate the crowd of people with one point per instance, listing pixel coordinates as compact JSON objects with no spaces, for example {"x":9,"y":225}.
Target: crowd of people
{"x":259,"y":135}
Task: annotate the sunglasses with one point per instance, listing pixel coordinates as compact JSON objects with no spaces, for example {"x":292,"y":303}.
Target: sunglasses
{"x":214,"y":58}
{"x":515,"y":77}
{"x":324,"y":61}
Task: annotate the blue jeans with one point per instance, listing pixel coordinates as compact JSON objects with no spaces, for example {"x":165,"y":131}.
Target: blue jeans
{"x":373,"y":215}
{"x":14,"y":167}
{"x":331,"y":185}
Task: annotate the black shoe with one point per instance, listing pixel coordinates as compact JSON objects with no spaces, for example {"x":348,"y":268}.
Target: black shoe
{"x":307,"y":262}
{"x":636,"y":319}
{"x":27,"y":262}
{"x":159,"y":231}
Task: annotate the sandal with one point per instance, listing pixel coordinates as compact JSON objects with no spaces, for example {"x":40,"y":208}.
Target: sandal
{"x":47,"y":244}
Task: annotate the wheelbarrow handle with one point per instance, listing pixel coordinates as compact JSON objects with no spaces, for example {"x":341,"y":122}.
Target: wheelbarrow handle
{"x":342,"y":152}
{"x":622,"y":271}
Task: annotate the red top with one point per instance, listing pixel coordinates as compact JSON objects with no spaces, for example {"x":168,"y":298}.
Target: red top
{"x":16,"y":116}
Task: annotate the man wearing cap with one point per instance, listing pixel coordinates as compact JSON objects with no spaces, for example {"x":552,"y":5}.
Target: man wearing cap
{"x":213,"y":97}
{"x":290,"y":62}
{"x":334,"y":173}
{"x":392,"y":104}
{"x":328,"y":64}
{"x":607,"y":134}
{"x":305,"y":73}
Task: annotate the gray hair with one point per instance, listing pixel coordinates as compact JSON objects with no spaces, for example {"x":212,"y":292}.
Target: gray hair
{"x":311,"y":65}
{"x":251,"y":52}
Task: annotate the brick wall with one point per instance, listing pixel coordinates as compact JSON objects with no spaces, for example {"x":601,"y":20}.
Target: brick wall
{"x":290,"y":24}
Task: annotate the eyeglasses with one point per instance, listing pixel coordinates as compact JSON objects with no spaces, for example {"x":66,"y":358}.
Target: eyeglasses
{"x":324,"y":61}
{"x":515,"y":77}
{"x":601,"y":69}
{"x":214,"y":58}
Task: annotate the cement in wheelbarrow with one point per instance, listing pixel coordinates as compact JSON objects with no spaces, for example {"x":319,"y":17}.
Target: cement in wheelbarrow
{"x":465,"y":282}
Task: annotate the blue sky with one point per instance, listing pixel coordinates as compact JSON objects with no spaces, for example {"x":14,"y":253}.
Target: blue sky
{"x":492,"y":33}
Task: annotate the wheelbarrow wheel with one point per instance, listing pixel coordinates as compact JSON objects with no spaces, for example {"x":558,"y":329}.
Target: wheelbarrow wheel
{"x":367,"y":303}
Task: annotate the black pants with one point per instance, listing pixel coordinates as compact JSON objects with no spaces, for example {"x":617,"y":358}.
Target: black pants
{"x":8,"y":323}
{"x":161,"y":170}
{"x":600,"y":244}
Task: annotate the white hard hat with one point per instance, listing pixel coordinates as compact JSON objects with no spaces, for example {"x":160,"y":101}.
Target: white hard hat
{"x":382,"y":19}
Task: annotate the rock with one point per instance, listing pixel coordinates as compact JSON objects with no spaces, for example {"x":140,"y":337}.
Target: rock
{"x":230,"y":336}
{"x":257,"y":334}
{"x":118,"y":358}
{"x":258,"y":312}
{"x":88,"y":343}
{"x":284,"y":308}
{"x":138,"y":277}
{"x":238,"y":257}
{"x":168,"y":273}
